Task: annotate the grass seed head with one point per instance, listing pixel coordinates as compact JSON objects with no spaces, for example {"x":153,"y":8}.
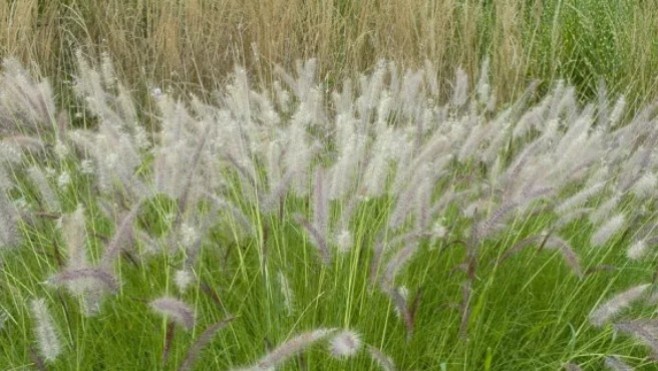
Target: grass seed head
{"x":177,"y":310}
{"x":48,"y":340}
{"x":345,"y":344}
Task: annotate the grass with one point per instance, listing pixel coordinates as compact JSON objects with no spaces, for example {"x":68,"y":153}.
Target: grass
{"x":528,"y":312}
{"x":193,"y":45}
{"x":261,"y":248}
{"x":174,"y":211}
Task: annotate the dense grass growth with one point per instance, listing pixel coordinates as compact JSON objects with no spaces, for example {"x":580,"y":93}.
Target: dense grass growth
{"x":385,"y":224}
{"x":195,"y":43}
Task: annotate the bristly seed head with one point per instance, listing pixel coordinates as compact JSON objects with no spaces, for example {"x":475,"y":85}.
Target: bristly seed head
{"x":182,"y":279}
{"x":345,"y":344}
{"x":179,"y":312}
{"x":47,"y":337}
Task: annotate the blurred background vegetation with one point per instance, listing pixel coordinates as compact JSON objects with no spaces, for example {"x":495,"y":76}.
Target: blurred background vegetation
{"x":192,"y":44}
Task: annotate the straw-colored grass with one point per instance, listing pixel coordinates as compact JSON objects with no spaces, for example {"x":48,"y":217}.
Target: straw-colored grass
{"x":194,"y":43}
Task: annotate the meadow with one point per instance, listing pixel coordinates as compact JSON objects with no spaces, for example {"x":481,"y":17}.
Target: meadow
{"x":332,"y":185}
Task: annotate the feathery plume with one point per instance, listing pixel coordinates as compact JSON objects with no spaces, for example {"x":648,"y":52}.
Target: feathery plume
{"x":297,"y":157}
{"x":410,"y":240}
{"x":182,"y":279}
{"x":122,"y":238}
{"x":604,"y":210}
{"x":567,"y":252}
{"x":403,"y":204}
{"x":520,"y":246}
{"x":287,"y":293}
{"x":384,"y":361}
{"x":570,"y":216}
{"x":423,"y":200}
{"x":606,"y":311}
{"x":6,"y":181}
{"x":477,"y":135}
{"x":645,"y":186}
{"x":607,"y":230}
{"x":351,"y":156}
{"x":75,"y":235}
{"x":9,"y":217}
{"x":188,"y":235}
{"x":179,"y":312}
{"x":617,"y":112}
{"x":378,"y":168}
{"x":396,"y":263}
{"x":644,"y":330}
{"x":320,"y":205}
{"x":579,"y":198}
{"x":277,"y":193}
{"x":484,"y":228}
{"x":316,"y":238}
{"x":615,"y":364}
{"x":25,"y":98}
{"x":398,"y":297}
{"x":291,"y":347}
{"x":47,"y":337}
{"x":637,"y":250}
{"x":201,"y":342}
{"x":236,"y":214}
{"x":378,"y":251}
{"x":26,"y":143}
{"x":48,"y":195}
{"x":345,"y":344}
{"x":86,"y":279}
{"x":344,"y":241}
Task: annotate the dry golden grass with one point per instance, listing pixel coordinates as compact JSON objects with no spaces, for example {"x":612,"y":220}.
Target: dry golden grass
{"x":193,"y":43}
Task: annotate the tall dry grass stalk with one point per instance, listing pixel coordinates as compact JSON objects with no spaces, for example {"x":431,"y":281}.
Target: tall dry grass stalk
{"x":198,"y":41}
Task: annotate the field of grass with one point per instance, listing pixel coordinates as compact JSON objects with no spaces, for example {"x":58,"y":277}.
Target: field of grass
{"x":193,"y":44}
{"x":330,"y":185}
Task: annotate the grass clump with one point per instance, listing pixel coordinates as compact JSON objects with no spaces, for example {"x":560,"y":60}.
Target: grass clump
{"x":394,"y":226}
